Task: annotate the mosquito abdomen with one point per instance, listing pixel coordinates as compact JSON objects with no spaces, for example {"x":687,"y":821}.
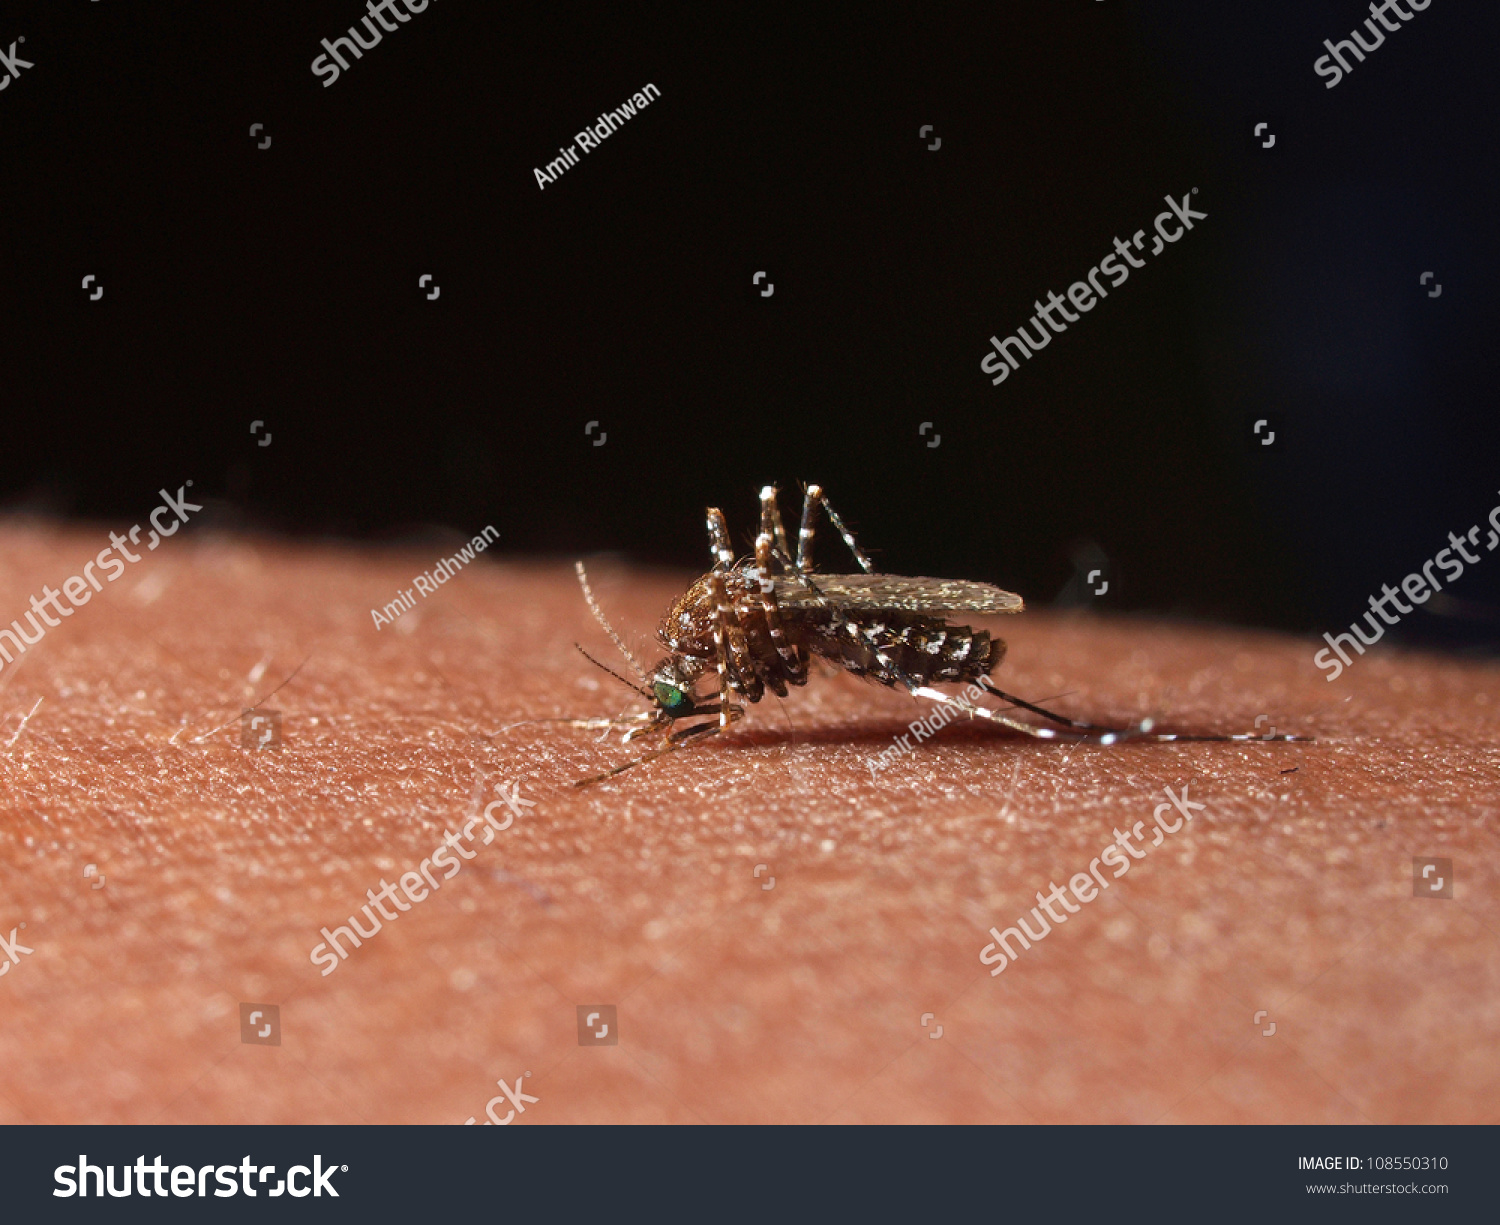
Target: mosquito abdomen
{"x":900,"y":650}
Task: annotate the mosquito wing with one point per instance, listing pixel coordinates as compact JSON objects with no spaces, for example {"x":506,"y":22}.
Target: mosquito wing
{"x":876,"y":592}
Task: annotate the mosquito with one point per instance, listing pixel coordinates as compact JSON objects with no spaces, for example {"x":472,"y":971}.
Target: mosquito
{"x":756,"y":622}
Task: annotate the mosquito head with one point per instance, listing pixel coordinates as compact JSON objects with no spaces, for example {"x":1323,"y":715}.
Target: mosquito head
{"x":671,"y":684}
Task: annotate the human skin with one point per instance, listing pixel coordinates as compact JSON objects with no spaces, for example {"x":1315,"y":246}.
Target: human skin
{"x":772,"y":922}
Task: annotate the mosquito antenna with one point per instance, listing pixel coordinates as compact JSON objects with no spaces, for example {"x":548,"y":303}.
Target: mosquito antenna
{"x":588,"y":594}
{"x":613,"y":673}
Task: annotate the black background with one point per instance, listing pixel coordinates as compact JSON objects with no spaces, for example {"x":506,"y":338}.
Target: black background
{"x":281,"y":285}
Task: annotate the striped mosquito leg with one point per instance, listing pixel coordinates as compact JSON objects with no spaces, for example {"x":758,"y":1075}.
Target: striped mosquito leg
{"x":686,"y":738}
{"x":771,"y":526}
{"x":1141,"y":732}
{"x":796,"y":673}
{"x":1186,"y":738}
{"x":989,"y":686}
{"x":770,"y":521}
{"x":1094,"y":734}
{"x":724,"y":628}
{"x":718,"y":539}
{"x":744,"y":678}
{"x":1039,"y":733}
{"x":801,"y":567}
{"x":811,"y":501}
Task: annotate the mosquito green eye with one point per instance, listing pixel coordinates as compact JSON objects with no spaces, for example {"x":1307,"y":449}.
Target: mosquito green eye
{"x":672,"y":699}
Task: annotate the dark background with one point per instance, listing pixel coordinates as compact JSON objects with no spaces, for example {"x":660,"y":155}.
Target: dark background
{"x":281,"y":285}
